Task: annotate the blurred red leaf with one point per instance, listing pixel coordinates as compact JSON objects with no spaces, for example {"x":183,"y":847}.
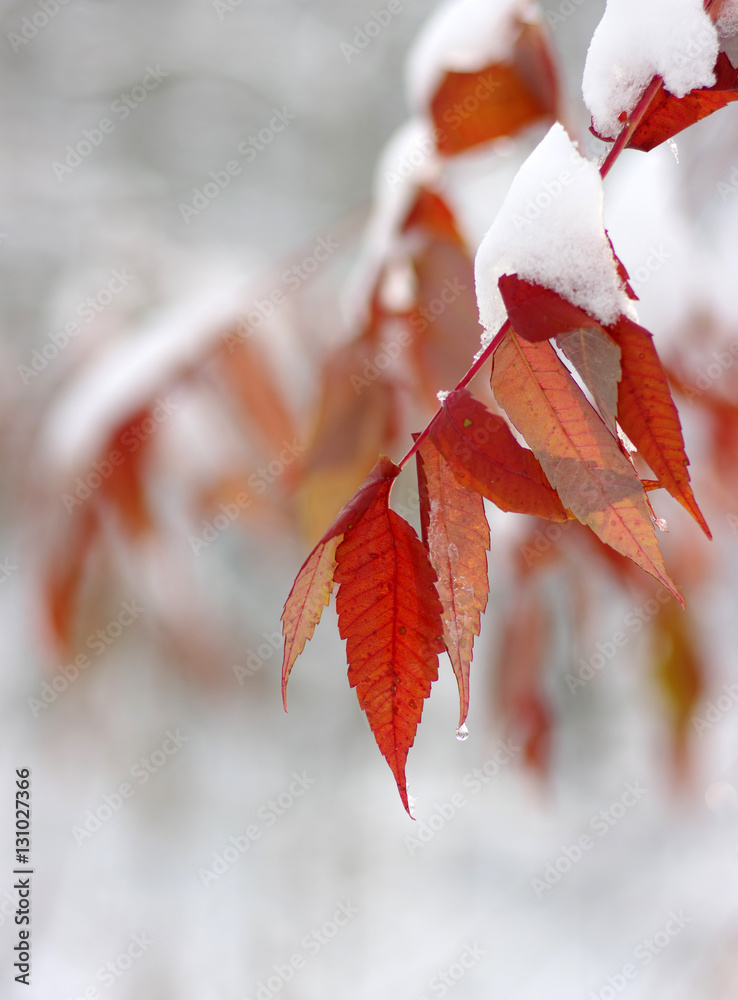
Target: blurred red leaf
{"x":356,"y":419}
{"x":431,"y":214}
{"x":445,"y":321}
{"x":246,"y":374}
{"x":523,"y":704}
{"x":65,"y":576}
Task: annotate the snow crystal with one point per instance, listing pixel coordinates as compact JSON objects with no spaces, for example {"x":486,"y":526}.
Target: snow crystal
{"x":639,"y":39}
{"x":442,"y":396}
{"x":465,"y":36}
{"x":550,"y":231}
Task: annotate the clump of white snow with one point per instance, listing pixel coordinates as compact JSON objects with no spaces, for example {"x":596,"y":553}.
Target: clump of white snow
{"x":550,"y":231}
{"x":463,"y":36}
{"x":639,"y":39}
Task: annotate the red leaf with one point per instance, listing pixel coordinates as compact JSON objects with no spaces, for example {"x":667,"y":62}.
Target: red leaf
{"x":485,"y":457}
{"x":125,"y":486}
{"x":356,"y":418}
{"x":647,"y":414}
{"x":66,"y":575}
{"x":521,"y":694}
{"x":456,"y":534}
{"x":537,"y":313}
{"x":580,"y":457}
{"x":390,"y":615}
{"x":249,"y":379}
{"x":443,"y":339}
{"x":668,"y":115}
{"x":312,"y":587}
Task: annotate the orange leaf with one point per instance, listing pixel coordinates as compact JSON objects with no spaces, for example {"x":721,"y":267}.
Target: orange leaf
{"x":485,"y":457}
{"x":580,"y":457}
{"x":431,"y":214}
{"x":498,"y":100}
{"x":648,"y":416}
{"x":668,"y":115}
{"x":312,"y":587}
{"x":456,"y":534}
{"x":390,"y":615}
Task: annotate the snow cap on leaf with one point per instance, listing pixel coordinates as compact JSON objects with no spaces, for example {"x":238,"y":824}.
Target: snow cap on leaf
{"x":482,"y":70}
{"x":637,"y":40}
{"x":550,"y":231}
{"x":463,"y":36}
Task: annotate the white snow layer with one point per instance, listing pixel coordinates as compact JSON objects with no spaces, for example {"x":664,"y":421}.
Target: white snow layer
{"x":128,"y":373}
{"x":550,"y":231}
{"x":639,"y":39}
{"x":465,"y":36}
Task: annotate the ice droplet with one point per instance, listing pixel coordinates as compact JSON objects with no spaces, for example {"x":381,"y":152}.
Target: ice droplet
{"x":661,"y":524}
{"x":442,"y":396}
{"x":462,"y":733}
{"x":674,"y":148}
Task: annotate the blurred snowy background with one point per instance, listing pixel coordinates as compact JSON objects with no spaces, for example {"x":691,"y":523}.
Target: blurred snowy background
{"x":191,"y":841}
